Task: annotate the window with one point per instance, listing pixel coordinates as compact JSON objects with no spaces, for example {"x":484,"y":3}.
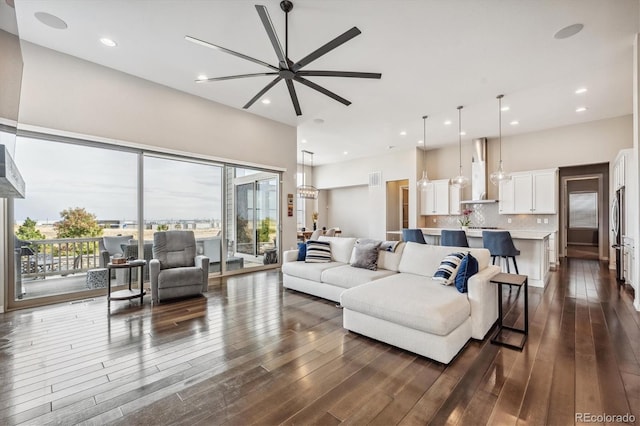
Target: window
{"x":583,"y":210}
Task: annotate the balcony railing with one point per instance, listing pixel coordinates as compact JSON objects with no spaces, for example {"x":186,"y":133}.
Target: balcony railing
{"x":61,"y":256}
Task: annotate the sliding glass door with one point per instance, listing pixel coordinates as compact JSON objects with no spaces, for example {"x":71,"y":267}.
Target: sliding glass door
{"x":256,"y":217}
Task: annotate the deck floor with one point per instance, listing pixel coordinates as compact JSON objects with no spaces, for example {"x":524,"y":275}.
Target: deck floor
{"x":250,"y":352}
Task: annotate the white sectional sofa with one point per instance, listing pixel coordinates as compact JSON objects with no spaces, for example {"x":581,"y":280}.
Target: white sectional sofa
{"x":400,"y":303}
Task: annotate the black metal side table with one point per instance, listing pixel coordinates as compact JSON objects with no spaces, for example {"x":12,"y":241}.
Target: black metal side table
{"x":126,"y":294}
{"x":518,"y":280}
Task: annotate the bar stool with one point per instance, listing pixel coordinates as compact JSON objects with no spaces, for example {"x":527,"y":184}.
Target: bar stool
{"x":500,"y":244}
{"x":414,"y":235}
{"x":453,"y":238}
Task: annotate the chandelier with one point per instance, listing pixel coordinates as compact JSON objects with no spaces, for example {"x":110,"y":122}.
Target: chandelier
{"x":307,"y":191}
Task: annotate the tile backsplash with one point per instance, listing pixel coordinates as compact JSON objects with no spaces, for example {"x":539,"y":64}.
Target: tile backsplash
{"x":486,"y":215}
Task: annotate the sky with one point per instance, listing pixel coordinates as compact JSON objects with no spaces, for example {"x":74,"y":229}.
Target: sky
{"x":59,"y":176}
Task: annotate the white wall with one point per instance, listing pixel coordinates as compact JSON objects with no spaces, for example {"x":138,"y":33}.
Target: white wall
{"x":397,"y":165}
{"x":352,"y":220}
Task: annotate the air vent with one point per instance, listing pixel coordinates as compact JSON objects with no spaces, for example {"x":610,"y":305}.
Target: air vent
{"x":375,"y":179}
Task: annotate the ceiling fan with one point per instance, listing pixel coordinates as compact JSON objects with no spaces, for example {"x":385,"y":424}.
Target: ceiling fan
{"x":288,"y":70}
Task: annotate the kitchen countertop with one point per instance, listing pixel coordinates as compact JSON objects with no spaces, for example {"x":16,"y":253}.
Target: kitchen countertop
{"x":519,"y":234}
{"x":515,"y":233}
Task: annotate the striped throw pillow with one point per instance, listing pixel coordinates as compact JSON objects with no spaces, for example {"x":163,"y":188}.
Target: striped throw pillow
{"x":446,"y":272}
{"x":318,"y":252}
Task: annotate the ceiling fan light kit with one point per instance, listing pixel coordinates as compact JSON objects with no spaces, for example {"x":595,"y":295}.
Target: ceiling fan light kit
{"x":288,"y":70}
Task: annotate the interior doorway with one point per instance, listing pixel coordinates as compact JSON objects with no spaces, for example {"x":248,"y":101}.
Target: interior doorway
{"x":584,"y":216}
{"x":397,"y":207}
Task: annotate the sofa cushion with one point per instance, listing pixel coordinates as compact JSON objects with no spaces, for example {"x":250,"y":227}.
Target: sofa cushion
{"x":340,"y":247}
{"x":318,"y":252}
{"x":424,"y":259}
{"x":468,"y":268}
{"x":391,"y":259}
{"x":179,"y":277}
{"x":446,"y":273}
{"x":309,"y":271}
{"x":410,"y":300}
{"x":366,"y":256}
{"x":347,"y":276}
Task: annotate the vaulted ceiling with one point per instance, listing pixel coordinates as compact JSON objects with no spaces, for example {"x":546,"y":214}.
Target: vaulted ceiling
{"x":433,"y":55}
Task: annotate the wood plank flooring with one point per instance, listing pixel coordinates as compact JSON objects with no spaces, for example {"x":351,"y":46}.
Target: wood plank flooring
{"x":252,"y":353}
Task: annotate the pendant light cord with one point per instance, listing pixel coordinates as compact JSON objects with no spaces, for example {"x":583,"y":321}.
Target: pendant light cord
{"x":500,"y":124}
{"x":460,"y":138}
{"x":424,"y":140}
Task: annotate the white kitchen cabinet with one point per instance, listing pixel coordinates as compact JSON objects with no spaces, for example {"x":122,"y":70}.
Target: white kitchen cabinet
{"x":532,"y":192}
{"x":435,"y":198}
{"x":553,"y":251}
{"x":454,"y":200}
{"x":505,"y":202}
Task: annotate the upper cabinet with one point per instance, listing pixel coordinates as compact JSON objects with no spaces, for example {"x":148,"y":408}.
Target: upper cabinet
{"x":440,"y":198}
{"x":620,"y":169}
{"x":532,"y":192}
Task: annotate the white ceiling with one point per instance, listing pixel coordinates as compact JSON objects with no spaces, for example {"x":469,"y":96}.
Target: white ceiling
{"x":433,"y":55}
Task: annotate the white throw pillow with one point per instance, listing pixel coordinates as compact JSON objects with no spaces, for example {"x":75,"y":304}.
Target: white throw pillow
{"x":446,"y":272}
{"x":341,"y":247}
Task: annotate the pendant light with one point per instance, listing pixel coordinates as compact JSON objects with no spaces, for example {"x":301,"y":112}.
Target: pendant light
{"x":307,"y":191}
{"x":499,"y":175}
{"x":424,"y":181}
{"x":460,"y":180}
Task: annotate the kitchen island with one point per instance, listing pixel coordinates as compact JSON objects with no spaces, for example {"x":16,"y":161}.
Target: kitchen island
{"x":534,"y":249}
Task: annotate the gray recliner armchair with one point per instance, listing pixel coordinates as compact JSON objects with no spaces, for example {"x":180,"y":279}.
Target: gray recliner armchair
{"x":175,"y":270}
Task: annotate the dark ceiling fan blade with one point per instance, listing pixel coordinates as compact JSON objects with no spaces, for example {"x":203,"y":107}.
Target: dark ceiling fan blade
{"x":273,"y":37}
{"x":322,"y":90}
{"x":231,"y":77}
{"x":341,"y":39}
{"x":340,"y":74}
{"x":262,"y":92}
{"x":294,"y":97}
{"x":231,"y":52}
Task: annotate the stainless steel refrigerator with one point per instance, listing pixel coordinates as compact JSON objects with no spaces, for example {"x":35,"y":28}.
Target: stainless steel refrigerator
{"x":617,"y":221}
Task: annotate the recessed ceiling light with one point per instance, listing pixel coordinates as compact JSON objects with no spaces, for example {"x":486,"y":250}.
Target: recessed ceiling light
{"x":581,"y":109}
{"x":51,"y":20}
{"x":569,"y":31}
{"x":463,"y":133}
{"x":581,"y":90}
{"x":303,"y":141}
{"x":202,"y":77}
{"x":514,"y":123}
{"x":447,"y":123}
{"x":318,"y":120}
{"x":266,"y":101}
{"x":420,"y":142}
{"x":108,"y":42}
{"x":403,"y":133}
{"x":505,"y":108}
{"x":345,"y":152}
{"x":390,"y":146}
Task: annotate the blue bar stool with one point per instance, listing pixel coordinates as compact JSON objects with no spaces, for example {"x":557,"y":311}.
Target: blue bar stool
{"x":414,"y":235}
{"x":453,"y":238}
{"x":500,"y":244}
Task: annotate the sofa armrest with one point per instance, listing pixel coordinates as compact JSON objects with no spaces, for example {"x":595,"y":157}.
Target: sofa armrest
{"x":202,"y":262}
{"x":154,"y":272}
{"x":483,"y":298}
{"x":290,"y":256}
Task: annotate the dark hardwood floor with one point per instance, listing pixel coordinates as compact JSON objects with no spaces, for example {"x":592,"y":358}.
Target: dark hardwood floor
{"x":251,"y":353}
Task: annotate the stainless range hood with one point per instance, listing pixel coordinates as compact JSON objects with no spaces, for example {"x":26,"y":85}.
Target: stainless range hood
{"x":479,"y":173}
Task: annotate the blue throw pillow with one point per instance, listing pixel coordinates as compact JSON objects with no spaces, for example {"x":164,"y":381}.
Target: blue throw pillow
{"x":468,"y":268}
{"x":302,"y":251}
